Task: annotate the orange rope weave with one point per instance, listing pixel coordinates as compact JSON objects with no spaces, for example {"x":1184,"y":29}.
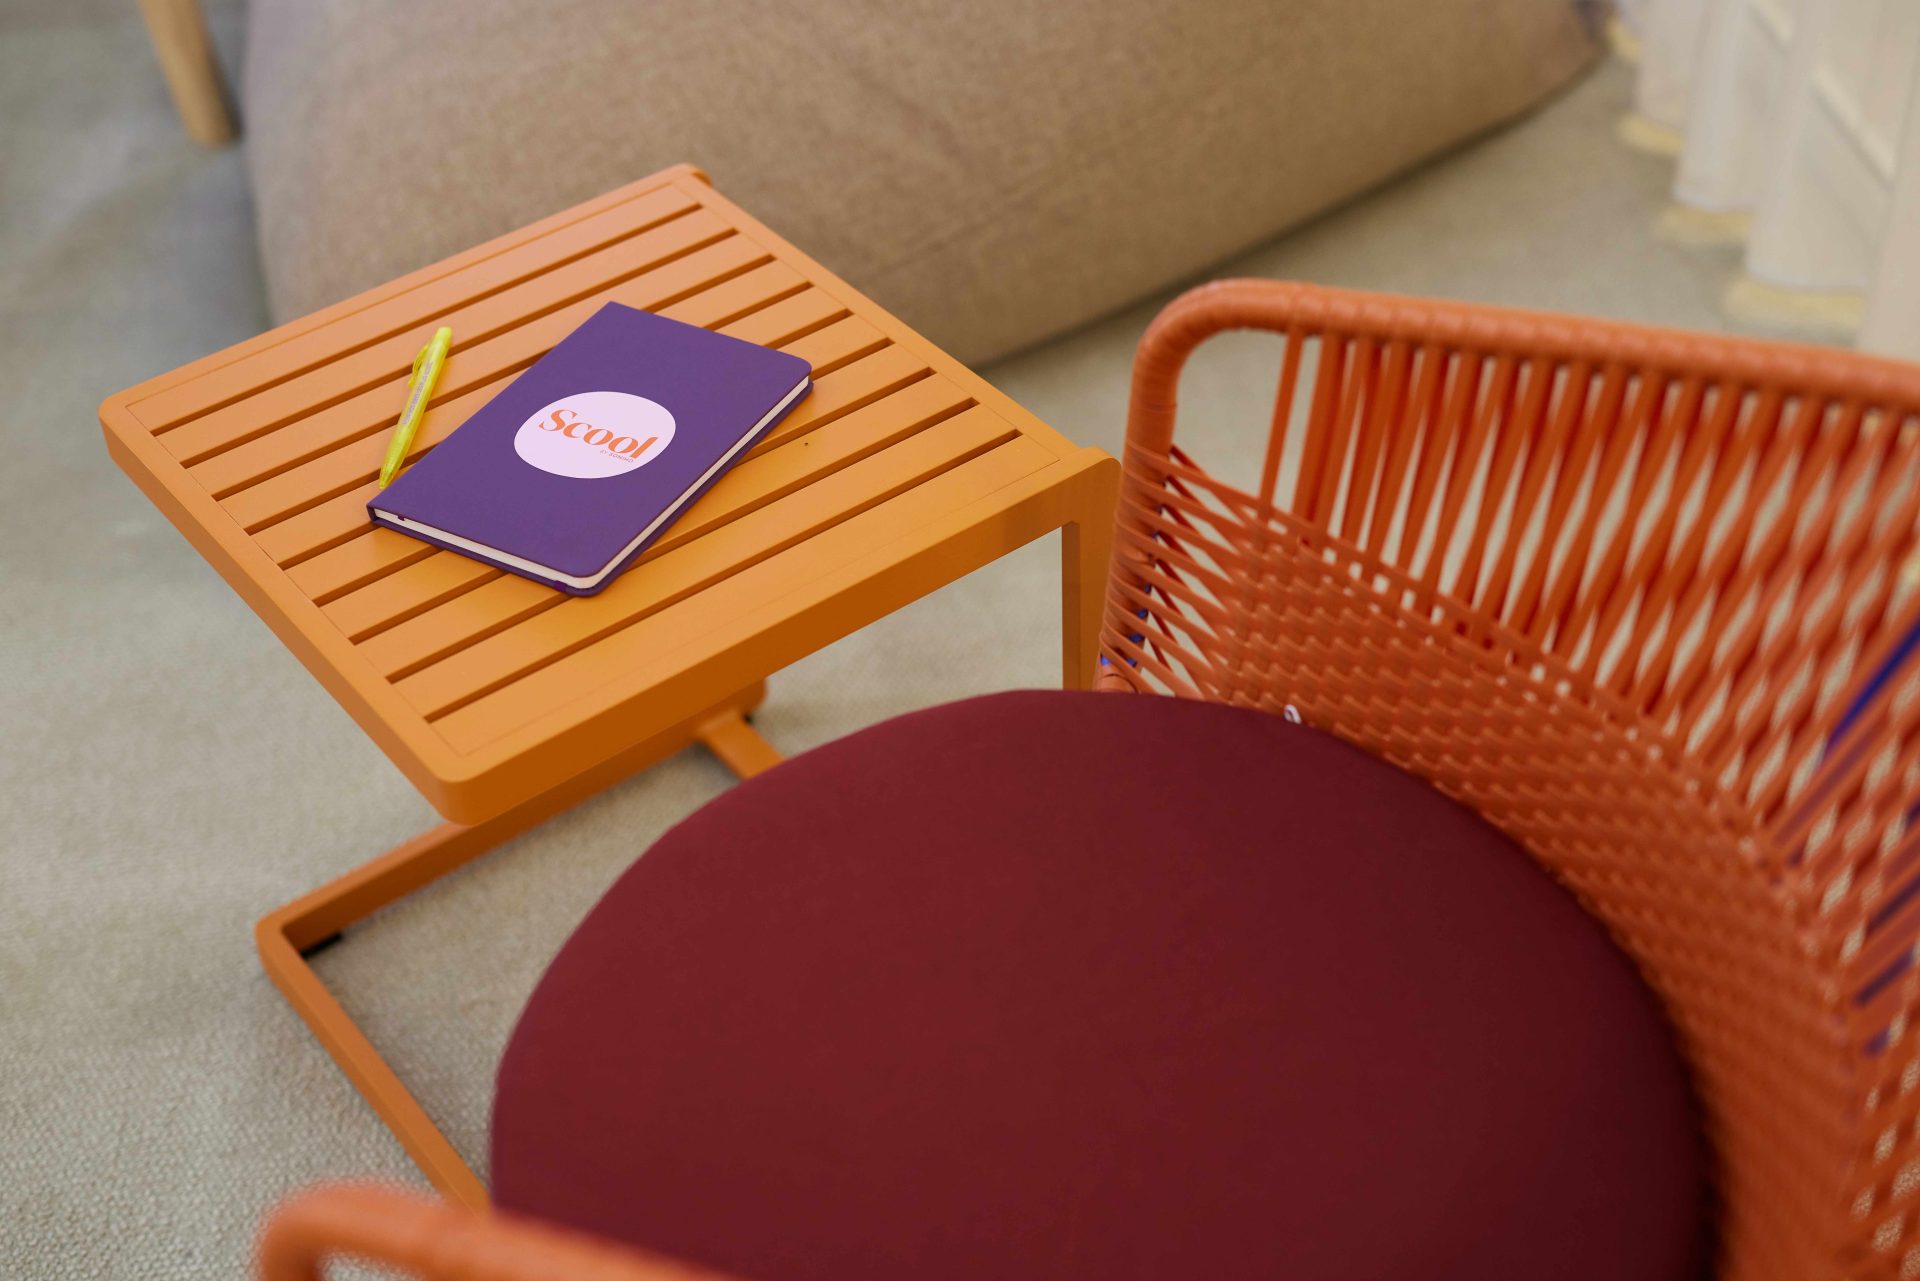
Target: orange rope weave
{"x":1617,"y":589}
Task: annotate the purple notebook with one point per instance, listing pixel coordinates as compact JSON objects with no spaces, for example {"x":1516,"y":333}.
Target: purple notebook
{"x":583,"y":460}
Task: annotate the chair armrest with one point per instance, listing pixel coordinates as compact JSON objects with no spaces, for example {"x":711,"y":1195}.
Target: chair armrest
{"x":435,"y":1241}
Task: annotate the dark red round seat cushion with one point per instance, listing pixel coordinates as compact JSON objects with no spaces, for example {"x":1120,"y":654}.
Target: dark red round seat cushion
{"x":1100,"y":987}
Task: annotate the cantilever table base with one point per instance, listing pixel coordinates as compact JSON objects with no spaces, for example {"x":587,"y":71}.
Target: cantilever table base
{"x":504,"y":702}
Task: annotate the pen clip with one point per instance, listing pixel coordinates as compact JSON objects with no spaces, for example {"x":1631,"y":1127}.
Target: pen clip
{"x":442,"y":337}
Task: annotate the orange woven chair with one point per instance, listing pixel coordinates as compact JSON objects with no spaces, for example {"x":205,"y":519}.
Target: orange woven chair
{"x":1640,"y":599}
{"x":1625,"y":592}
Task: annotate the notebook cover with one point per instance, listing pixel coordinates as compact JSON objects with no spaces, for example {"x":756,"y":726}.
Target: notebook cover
{"x":581,"y":452}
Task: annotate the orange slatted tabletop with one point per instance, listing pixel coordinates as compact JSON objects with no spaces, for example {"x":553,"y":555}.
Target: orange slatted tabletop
{"x":505,"y":701}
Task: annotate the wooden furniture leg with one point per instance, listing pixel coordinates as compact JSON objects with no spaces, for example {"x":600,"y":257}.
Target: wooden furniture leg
{"x":178,"y":30}
{"x":288,"y":936}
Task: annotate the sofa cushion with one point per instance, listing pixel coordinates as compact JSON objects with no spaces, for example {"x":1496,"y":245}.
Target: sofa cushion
{"x":995,"y":172}
{"x":1107,"y":987}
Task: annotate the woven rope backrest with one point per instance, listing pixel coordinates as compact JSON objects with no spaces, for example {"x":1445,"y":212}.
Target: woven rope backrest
{"x":1625,"y":592}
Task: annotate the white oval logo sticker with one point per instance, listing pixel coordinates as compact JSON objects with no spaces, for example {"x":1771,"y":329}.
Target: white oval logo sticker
{"x":591,"y":434}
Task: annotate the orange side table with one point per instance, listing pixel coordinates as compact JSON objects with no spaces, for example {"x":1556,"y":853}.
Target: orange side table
{"x":506,"y":702}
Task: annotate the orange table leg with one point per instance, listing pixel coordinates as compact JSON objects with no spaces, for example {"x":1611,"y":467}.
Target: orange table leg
{"x":1082,"y":509}
{"x":285,"y":936}
{"x":1086,"y":543}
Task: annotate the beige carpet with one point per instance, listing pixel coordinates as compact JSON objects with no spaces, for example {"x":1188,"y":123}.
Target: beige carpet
{"x":168,"y":773}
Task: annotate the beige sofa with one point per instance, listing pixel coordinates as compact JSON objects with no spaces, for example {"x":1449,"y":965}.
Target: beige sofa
{"x":995,"y":171}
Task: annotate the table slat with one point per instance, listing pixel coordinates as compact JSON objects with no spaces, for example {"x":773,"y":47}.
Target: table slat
{"x":364,"y":326}
{"x":588,"y":672}
{"x":289,"y":444}
{"x":379,"y":363}
{"x":310,"y":507}
{"x":757,"y":480}
{"x":458,"y":668}
{"x":326,"y":574}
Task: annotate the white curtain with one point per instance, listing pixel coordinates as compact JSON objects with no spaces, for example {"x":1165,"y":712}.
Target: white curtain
{"x":1797,"y":128}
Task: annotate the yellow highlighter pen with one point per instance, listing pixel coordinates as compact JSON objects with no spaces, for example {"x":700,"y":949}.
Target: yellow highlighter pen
{"x":426,"y":372}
